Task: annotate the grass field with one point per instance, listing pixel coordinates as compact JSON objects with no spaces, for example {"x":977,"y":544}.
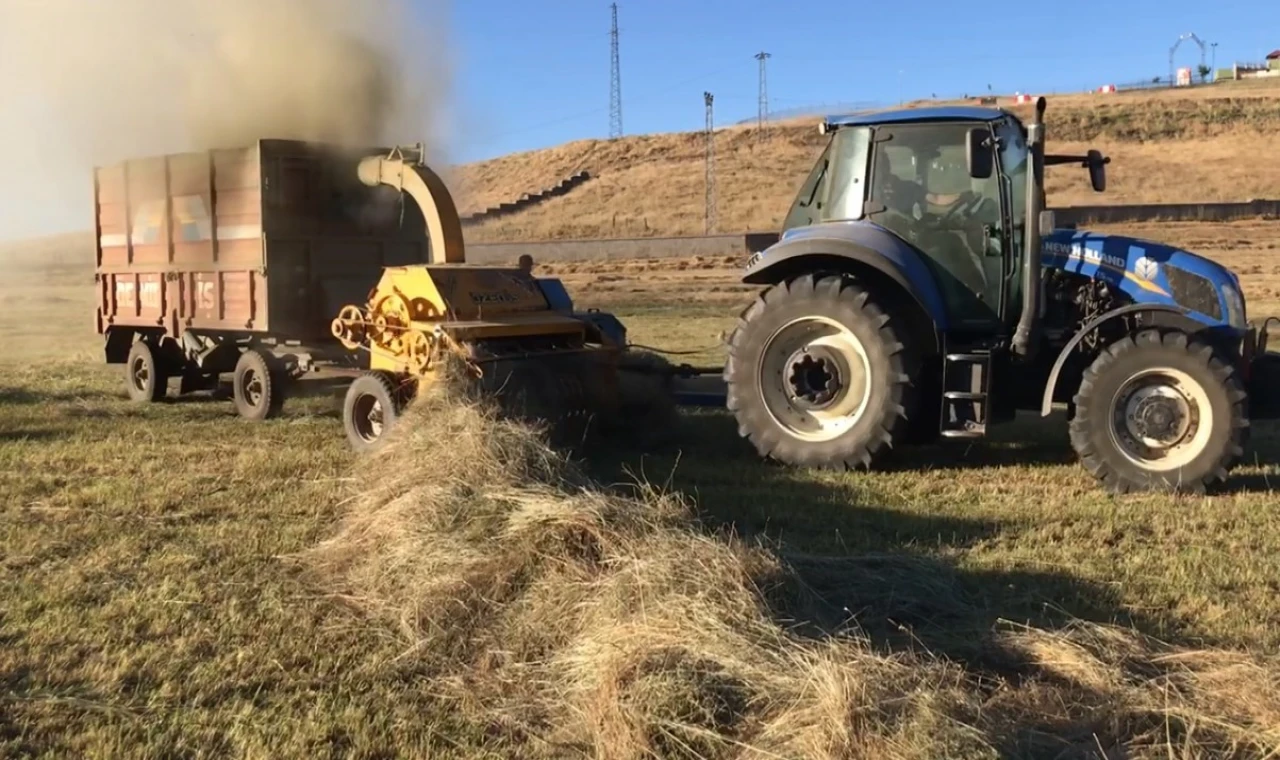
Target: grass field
{"x":153,"y":604}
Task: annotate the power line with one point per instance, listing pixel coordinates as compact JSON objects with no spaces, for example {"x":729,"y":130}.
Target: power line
{"x":764,"y":93}
{"x":707,"y":98}
{"x":615,"y":78}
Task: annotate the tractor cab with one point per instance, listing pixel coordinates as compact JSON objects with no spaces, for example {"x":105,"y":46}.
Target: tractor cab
{"x":949,"y":182}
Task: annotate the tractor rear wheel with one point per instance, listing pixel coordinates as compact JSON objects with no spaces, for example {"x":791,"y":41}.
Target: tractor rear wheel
{"x":1159,"y":412}
{"x":146,"y":372}
{"x":370,"y":410}
{"x":258,"y":385}
{"x":816,"y":374}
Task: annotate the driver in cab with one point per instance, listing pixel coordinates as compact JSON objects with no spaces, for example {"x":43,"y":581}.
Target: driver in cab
{"x":934,"y":204}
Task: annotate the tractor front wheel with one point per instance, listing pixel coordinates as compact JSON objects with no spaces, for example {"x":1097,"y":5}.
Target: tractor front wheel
{"x":1159,"y":412}
{"x":817,"y":376}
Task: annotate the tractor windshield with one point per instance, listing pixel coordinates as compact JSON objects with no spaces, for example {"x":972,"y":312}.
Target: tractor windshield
{"x":836,"y":187}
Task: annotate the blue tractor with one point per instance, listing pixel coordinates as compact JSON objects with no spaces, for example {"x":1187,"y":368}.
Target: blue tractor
{"x":920,"y":289}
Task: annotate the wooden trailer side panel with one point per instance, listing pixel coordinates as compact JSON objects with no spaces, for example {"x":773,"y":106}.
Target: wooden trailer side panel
{"x":272,"y":239}
{"x":180,"y":242}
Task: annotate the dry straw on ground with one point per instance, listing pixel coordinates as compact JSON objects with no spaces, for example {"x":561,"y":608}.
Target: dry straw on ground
{"x":566,"y":619}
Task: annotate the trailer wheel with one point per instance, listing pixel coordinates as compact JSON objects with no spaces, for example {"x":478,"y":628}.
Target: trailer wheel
{"x":145,"y":373}
{"x":258,"y":385}
{"x":816,"y":374}
{"x":370,"y":410}
{"x":1159,"y":412}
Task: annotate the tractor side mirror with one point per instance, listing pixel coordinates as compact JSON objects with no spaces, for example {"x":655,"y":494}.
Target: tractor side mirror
{"x":978,"y":153}
{"x":1098,"y":171}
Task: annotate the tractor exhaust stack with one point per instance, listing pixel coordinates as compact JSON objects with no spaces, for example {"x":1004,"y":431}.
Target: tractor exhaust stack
{"x":1024,"y":339}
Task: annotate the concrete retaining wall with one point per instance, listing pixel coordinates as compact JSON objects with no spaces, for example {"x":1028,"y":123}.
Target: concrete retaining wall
{"x":1169,"y":212}
{"x":621,"y":248}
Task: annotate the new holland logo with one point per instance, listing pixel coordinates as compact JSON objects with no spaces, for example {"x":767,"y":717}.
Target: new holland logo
{"x":1146,"y":268}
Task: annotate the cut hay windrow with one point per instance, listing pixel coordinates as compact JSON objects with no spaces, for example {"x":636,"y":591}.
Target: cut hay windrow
{"x":565,"y":619}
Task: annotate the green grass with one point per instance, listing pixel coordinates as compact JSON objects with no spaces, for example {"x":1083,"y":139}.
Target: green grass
{"x":150,"y":607}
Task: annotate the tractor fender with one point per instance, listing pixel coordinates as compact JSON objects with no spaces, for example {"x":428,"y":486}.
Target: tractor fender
{"x":1165,"y":315}
{"x":853,"y":248}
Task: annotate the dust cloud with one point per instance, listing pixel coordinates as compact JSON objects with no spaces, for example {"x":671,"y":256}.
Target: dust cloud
{"x":88,"y":82}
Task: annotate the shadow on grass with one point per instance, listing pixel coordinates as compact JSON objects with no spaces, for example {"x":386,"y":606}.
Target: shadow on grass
{"x":1030,"y":440}
{"x":39,"y":434}
{"x":10,"y":396}
{"x":858,"y":562}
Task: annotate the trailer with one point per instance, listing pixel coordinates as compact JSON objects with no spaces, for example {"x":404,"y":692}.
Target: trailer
{"x":234,"y":261}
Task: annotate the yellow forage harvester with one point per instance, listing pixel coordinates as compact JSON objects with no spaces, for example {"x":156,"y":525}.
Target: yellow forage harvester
{"x":516,"y":336}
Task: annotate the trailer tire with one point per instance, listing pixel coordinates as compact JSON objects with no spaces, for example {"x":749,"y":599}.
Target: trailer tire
{"x":145,"y":372}
{"x":837,"y":401}
{"x":1160,"y":412}
{"x":370,"y":410}
{"x":258,"y":385}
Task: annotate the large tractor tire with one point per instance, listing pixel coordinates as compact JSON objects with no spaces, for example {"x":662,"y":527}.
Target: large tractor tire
{"x":816,"y":374}
{"x":146,"y":376}
{"x":1160,"y":412}
{"x":258,"y":385}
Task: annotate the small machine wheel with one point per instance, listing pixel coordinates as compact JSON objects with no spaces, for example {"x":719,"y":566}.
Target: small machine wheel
{"x":1159,"y":412}
{"x":370,"y":410}
{"x":817,"y":376}
{"x":146,"y":378}
{"x":258,"y":385}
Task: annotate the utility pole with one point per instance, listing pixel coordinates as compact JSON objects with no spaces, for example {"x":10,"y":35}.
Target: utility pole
{"x":615,"y":79}
{"x":764,"y":92}
{"x":711,"y":164}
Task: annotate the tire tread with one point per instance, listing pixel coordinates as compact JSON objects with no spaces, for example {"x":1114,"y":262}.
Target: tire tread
{"x":754,"y":423}
{"x":1090,"y":411}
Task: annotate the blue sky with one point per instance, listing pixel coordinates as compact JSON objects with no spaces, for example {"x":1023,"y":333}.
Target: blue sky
{"x":535,"y":74}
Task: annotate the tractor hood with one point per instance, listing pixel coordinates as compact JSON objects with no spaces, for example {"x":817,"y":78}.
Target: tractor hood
{"x":1149,"y":272}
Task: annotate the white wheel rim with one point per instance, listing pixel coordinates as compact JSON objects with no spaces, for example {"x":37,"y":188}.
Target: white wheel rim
{"x":814,"y":378}
{"x":140,"y":373}
{"x":251,"y":387}
{"x":366,"y":417}
{"x":1161,"y":419}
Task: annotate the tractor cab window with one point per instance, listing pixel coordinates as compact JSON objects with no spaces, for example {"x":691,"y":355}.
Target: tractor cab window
{"x":836,"y":188}
{"x":922,"y":192}
{"x":807,"y":206}
{"x":848,"y":188}
{"x":1013,"y":162}
{"x":1013,"y":156}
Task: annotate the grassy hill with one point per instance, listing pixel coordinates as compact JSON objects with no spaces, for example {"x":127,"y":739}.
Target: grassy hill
{"x":1210,"y":144}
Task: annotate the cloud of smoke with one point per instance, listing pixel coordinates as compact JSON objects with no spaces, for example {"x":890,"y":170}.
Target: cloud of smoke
{"x":86,"y":82}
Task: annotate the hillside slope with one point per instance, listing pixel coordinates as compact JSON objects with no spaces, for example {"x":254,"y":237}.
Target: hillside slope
{"x":1213,"y":144}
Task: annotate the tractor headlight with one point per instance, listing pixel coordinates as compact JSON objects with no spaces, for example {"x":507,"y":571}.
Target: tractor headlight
{"x":1235,"y":306}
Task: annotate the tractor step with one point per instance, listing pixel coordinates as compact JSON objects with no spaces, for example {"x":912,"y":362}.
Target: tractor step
{"x":966,"y":383}
{"x":976,"y":433}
